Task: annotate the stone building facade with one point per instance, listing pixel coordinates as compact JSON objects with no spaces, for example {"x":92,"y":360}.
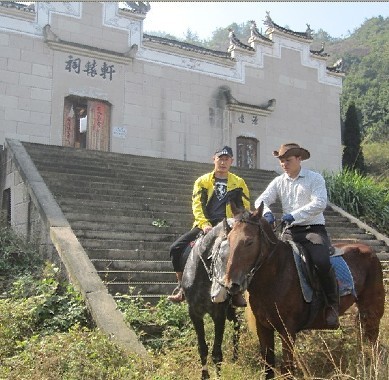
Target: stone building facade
{"x":84,"y":74}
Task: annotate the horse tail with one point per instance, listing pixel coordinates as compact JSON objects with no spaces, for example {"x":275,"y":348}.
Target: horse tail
{"x":371,"y":298}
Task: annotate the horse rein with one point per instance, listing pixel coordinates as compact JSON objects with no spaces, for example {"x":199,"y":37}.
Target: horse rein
{"x":210,"y":269}
{"x":245,"y":218}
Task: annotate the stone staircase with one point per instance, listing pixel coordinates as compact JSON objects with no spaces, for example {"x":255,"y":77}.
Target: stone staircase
{"x":126,"y":211}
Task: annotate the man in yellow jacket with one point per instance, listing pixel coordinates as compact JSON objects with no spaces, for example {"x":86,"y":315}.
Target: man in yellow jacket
{"x":211,"y":196}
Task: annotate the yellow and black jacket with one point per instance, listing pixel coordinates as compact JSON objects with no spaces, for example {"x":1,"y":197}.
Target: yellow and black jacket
{"x":202,"y":192}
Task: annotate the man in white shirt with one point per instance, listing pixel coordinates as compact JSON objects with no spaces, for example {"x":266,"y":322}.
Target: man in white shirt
{"x":303,"y":196}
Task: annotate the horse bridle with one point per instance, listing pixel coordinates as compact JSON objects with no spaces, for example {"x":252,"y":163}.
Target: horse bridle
{"x":245,"y":218}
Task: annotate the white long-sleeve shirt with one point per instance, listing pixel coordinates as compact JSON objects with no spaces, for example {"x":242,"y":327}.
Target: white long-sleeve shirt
{"x":304,"y":197}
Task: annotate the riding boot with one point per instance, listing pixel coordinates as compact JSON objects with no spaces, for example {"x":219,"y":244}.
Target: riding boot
{"x":178,"y":293}
{"x":331,"y":290}
{"x":238,"y":300}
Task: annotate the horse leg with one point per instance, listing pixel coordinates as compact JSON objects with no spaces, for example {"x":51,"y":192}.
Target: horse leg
{"x":231,"y":316}
{"x":371,"y":310}
{"x":217,"y":353}
{"x":266,"y":342}
{"x":371,"y":303}
{"x":198,"y":324}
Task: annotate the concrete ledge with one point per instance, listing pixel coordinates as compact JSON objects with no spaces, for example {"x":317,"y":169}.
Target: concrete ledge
{"x":365,"y":227}
{"x":84,"y":277}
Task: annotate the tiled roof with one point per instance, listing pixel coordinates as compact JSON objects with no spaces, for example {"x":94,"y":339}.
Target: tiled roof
{"x":271,"y":24}
{"x":337,"y":67}
{"x":236,"y":42}
{"x":14,"y":5}
{"x":139,"y":7}
{"x":320,"y":52}
{"x":256,"y":35}
{"x":186,"y":46}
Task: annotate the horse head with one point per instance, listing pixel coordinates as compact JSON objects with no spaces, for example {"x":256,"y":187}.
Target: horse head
{"x":249,"y":240}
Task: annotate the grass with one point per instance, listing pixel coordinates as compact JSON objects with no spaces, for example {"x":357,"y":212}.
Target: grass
{"x":319,"y":354}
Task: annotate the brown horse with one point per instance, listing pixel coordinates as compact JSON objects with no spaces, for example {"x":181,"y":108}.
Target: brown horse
{"x":265,"y":265}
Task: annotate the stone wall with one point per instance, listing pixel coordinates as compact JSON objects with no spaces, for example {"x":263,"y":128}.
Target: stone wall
{"x":26,"y":220}
{"x":166,"y":99}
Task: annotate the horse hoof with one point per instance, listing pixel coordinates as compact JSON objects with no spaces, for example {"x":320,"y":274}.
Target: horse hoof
{"x":204,"y":375}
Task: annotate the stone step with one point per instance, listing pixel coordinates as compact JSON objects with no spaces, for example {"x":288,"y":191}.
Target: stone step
{"x":142,"y":245}
{"x":113,"y":236}
{"x":143,"y":288}
{"x":130,"y":224}
{"x":141,"y":265}
{"x":137,"y":275}
{"x":113,"y":203}
{"x":125,"y":217}
{"x":116,"y":254}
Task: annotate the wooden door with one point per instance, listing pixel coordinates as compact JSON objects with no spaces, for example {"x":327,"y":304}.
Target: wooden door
{"x":247,"y":152}
{"x":98,"y":125}
{"x":69,"y":124}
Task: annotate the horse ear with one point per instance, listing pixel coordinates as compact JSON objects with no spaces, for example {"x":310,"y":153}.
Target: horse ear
{"x":260,"y":209}
{"x":235,"y":210}
{"x":226,"y":227}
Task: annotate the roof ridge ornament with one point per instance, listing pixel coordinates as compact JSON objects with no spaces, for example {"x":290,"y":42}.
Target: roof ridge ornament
{"x":337,"y":67}
{"x":256,"y":35}
{"x":309,"y":31}
{"x":272,"y":25}
{"x":138,"y":6}
{"x":268,"y":20}
{"x":320,"y":52}
{"x":236,"y":43}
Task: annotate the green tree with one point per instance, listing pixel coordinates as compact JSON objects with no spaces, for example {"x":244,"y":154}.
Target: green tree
{"x":352,"y":151}
{"x":192,"y":37}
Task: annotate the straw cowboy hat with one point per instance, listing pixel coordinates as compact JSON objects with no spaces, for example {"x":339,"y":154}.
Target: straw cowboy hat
{"x":291,"y":149}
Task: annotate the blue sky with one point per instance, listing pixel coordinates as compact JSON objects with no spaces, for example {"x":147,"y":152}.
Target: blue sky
{"x":338,"y":19}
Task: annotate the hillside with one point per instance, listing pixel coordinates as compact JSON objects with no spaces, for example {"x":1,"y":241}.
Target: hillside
{"x":365,"y":54}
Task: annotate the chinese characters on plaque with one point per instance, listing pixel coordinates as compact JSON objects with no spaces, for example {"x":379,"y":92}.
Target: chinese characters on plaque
{"x":254,"y":119}
{"x":91,"y":68}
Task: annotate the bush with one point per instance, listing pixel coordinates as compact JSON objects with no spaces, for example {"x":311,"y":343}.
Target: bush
{"x":16,"y":257}
{"x":361,"y":196}
{"x":159,"y":325}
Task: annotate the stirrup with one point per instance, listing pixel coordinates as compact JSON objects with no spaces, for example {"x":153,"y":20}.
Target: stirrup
{"x":177,"y":295}
{"x":332,"y":317}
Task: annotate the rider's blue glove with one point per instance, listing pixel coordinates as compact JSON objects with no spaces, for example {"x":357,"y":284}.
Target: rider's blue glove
{"x":269,"y":217}
{"x":287,"y":218}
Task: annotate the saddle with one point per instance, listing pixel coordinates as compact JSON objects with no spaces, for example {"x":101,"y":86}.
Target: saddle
{"x":309,"y":282}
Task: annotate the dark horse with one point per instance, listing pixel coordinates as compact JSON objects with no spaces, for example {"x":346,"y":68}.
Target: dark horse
{"x":197,"y":280}
{"x":275,"y":295}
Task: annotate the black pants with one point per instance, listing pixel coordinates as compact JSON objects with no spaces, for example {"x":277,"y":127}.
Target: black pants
{"x":178,"y":247}
{"x":316,"y":241}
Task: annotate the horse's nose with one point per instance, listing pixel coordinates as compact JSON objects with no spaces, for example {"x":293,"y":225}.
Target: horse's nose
{"x":234,"y":288}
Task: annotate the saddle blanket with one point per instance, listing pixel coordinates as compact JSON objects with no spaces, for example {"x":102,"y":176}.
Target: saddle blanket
{"x":342,"y":272}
